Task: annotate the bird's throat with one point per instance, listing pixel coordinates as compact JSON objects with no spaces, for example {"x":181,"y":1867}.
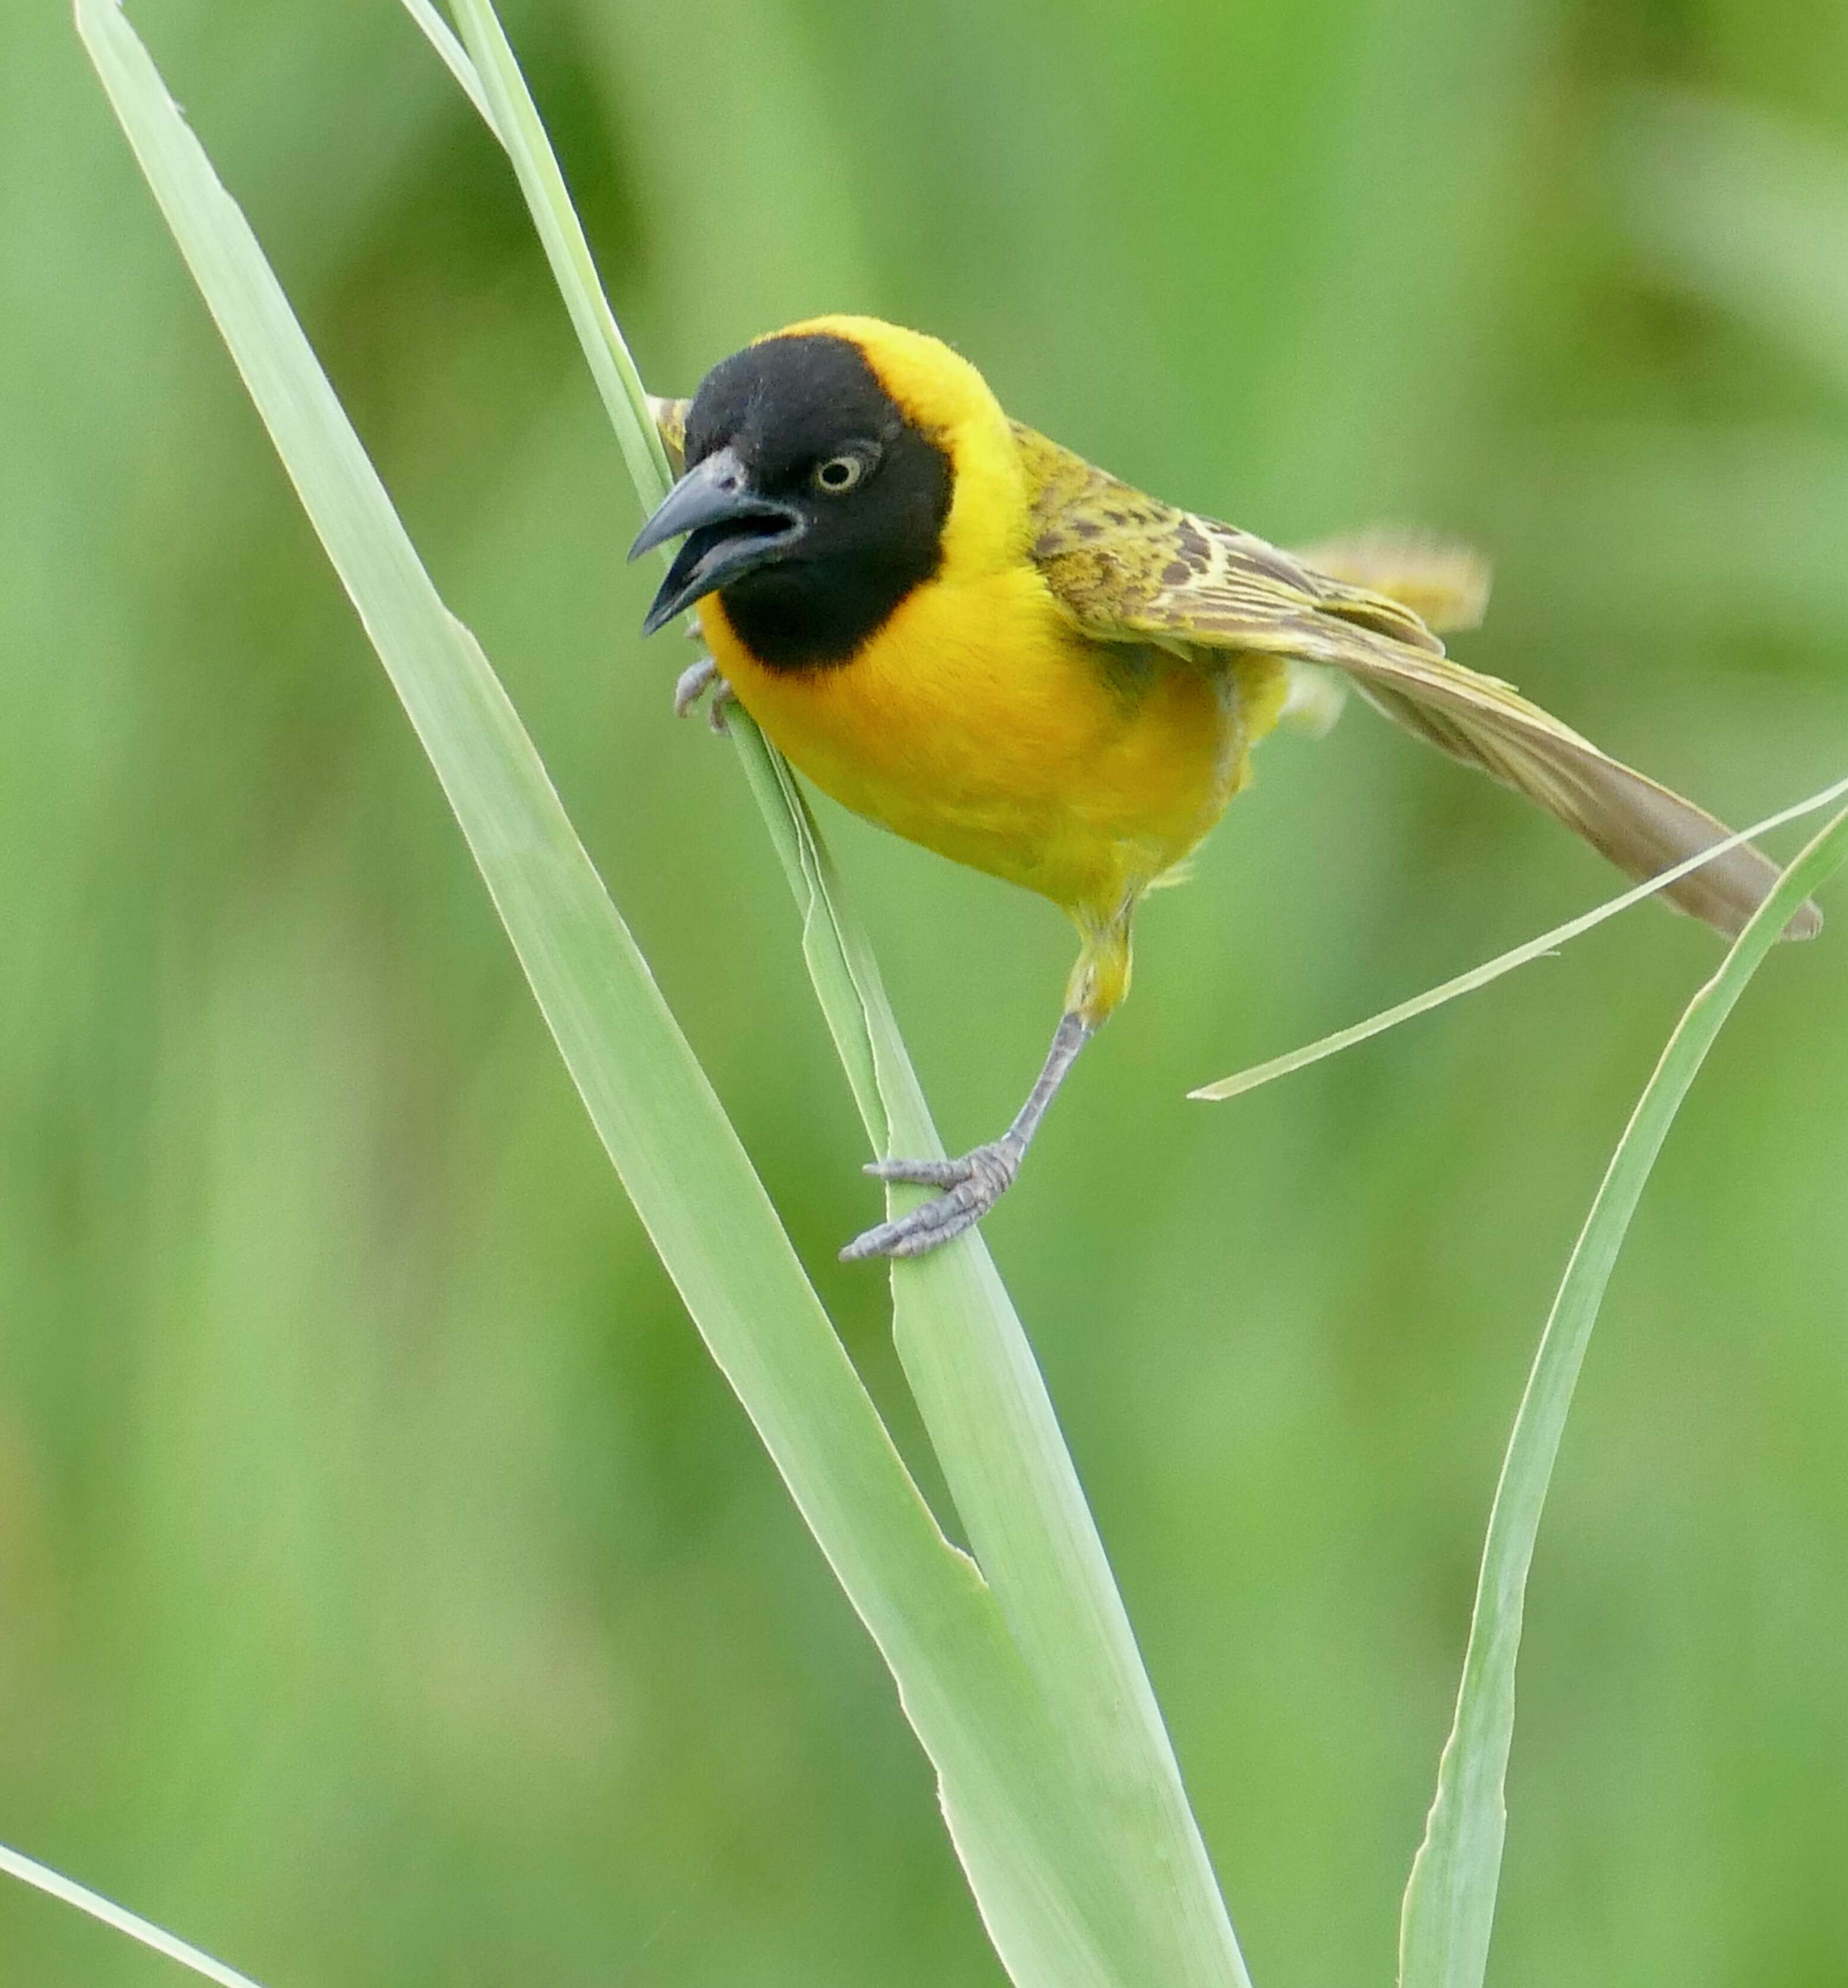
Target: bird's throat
{"x":820,"y":614}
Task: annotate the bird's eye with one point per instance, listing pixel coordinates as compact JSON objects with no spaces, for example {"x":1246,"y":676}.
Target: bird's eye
{"x":839,"y":474}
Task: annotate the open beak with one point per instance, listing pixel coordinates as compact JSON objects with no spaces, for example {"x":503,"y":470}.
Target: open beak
{"x":730,"y":531}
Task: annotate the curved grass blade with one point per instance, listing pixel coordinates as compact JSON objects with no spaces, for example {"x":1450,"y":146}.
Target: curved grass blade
{"x":119,"y":1918}
{"x":442,"y":38}
{"x":1449,"y":1901}
{"x":512,"y":118}
{"x":1480,"y":976}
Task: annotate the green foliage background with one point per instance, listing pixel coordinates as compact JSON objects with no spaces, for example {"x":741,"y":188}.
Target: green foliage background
{"x":390,"y":1591}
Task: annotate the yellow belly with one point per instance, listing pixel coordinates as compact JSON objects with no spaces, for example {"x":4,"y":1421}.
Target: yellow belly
{"x":980,"y":722}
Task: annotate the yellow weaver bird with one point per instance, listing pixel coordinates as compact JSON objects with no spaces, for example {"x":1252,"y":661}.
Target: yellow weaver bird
{"x":969,"y":634}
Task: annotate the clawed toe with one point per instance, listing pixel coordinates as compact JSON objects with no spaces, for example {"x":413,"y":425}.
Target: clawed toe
{"x":692,"y":684}
{"x":970,"y":1186}
{"x":695,"y":682}
{"x":922,"y":1173}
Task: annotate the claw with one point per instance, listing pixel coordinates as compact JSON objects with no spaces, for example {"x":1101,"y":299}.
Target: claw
{"x":970,"y":1186}
{"x":692,"y":684}
{"x":695,"y":682}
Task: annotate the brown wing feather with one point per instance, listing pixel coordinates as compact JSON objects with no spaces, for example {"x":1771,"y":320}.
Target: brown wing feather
{"x":1130,"y":568}
{"x":1108,"y":549}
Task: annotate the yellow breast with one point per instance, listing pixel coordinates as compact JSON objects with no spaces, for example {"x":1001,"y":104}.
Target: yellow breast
{"x":980,"y":723}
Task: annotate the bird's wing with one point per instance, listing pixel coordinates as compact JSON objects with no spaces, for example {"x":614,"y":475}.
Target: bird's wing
{"x":1129,"y":568}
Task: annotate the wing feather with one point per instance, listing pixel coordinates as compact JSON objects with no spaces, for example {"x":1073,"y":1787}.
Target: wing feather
{"x":1131,"y":569}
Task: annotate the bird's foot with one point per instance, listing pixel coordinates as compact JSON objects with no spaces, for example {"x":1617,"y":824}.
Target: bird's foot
{"x":695,"y":680}
{"x":970,"y":1187}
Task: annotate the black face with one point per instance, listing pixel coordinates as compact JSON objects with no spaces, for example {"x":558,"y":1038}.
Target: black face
{"x":812,"y":506}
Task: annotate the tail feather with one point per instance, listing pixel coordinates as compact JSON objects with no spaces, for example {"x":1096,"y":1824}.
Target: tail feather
{"x":1642,"y":826}
{"x":1445,"y":584}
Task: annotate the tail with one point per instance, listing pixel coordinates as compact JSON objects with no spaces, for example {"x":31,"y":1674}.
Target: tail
{"x":1445,"y":584}
{"x":1642,"y":826}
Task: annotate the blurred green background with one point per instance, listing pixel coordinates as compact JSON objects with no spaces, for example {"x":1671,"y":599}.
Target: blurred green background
{"x":390,"y":1591}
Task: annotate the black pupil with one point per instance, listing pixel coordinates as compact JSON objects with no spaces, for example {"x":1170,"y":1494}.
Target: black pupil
{"x":837,"y":474}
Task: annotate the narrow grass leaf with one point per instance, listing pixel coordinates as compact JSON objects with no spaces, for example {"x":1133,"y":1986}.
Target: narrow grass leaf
{"x":442,"y":38}
{"x":1449,"y":1901}
{"x":1480,"y":976}
{"x":67,"y":1891}
{"x":513,"y":118}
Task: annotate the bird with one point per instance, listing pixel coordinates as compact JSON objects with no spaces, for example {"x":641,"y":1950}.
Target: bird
{"x":969,"y":634}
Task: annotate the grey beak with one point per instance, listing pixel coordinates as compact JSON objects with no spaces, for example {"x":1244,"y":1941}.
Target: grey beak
{"x":738,"y":531}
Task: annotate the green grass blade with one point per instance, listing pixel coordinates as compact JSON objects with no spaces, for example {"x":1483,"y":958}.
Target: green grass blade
{"x":984,"y":1401}
{"x":965,"y":1354}
{"x":81,"y":1899}
{"x":442,"y":38}
{"x":839,"y":962}
{"x":513,"y":118}
{"x":1048,"y":1887}
{"x":1480,"y":976}
{"x":1449,"y":1901}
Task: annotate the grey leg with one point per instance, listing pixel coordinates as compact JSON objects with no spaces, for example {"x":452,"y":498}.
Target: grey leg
{"x":971,"y":1185}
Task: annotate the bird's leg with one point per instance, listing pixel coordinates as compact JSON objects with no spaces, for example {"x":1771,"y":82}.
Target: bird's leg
{"x":971,"y":1185}
{"x":695,"y":682}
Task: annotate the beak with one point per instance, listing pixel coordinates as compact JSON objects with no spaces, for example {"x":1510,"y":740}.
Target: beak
{"x":732,"y":532}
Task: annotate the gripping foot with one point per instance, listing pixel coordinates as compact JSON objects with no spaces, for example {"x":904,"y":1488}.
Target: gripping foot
{"x":969,"y":1188}
{"x":695,"y":680}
